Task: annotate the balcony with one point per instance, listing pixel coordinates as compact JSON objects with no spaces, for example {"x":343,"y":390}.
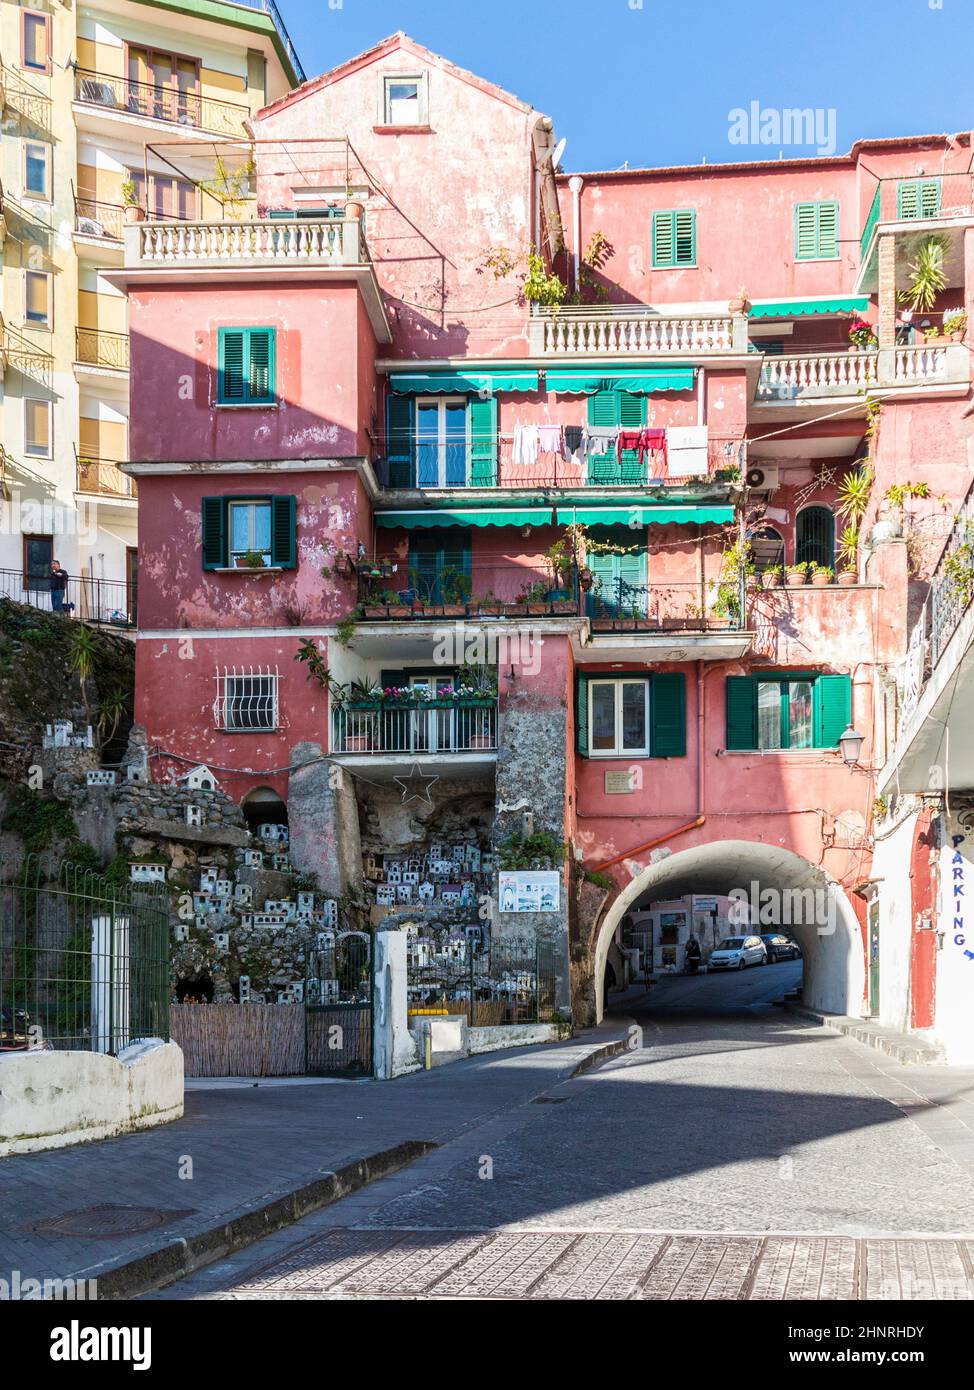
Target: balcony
{"x":148,"y":101}
{"x":112,"y":602}
{"x":909,"y":209}
{"x":634,"y":330}
{"x":269,"y":8}
{"x":301,"y":243}
{"x":804,"y":378}
{"x":429,"y":729}
{"x":102,"y":350}
{"x":99,"y":477}
{"x":96,"y":219}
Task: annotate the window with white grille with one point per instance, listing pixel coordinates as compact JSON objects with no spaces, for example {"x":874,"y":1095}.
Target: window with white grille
{"x":246,"y":699}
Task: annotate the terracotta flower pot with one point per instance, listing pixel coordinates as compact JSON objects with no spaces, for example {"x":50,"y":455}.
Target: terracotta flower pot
{"x":821,"y":581}
{"x":354,"y":209}
{"x":133,"y":213}
{"x":770,"y":581}
{"x":796,"y":581}
{"x":847,"y":578}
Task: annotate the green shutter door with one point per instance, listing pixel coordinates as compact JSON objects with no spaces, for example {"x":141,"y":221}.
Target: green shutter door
{"x":742,"y":712}
{"x":832,"y":709}
{"x":668,"y":717}
{"x":283,"y":538}
{"x":230,"y":374}
{"x":663,"y":239}
{"x":399,"y":440}
{"x":632,"y":416}
{"x":616,"y":409}
{"x":620,"y":580}
{"x":918,"y":198}
{"x":483,"y":442}
{"x":685,"y":237}
{"x":261,"y":365}
{"x":581,"y":715}
{"x":828,"y":230}
{"x":438,"y":556}
{"x":214,"y":533}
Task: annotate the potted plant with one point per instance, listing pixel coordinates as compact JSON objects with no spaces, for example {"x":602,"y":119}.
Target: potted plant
{"x":134,"y":212}
{"x":364,"y":694}
{"x":861,"y":334}
{"x":848,"y":576}
{"x":796,"y":575}
{"x":354,"y":209}
{"x":955,"y":325}
{"x":928,"y":276}
{"x":535,"y":597}
{"x":822,"y":575}
{"x":251,"y":560}
{"x":771,"y":577}
{"x":490,"y":606}
{"x":740,"y":304}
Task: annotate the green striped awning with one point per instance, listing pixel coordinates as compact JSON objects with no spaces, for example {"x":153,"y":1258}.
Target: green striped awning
{"x":461,"y":383}
{"x":645,"y":516}
{"x":474,"y":516}
{"x":641,"y":381}
{"x":796,"y":308}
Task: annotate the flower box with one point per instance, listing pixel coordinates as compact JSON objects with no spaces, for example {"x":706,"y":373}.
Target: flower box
{"x":515,"y":610}
{"x":453,"y":610}
{"x":399,"y":610}
{"x":491,"y":610}
{"x":536,"y":609}
{"x":602,"y":624}
{"x":376,"y":610}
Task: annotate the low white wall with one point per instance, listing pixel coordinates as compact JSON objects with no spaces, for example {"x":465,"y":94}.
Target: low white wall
{"x":513,"y":1035}
{"x":50,"y":1099}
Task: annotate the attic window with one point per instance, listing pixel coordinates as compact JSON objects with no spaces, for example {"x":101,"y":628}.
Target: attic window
{"x":404,"y":101}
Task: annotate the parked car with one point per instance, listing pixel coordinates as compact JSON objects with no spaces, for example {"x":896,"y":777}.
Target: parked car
{"x":737,"y":952}
{"x":780,"y":947}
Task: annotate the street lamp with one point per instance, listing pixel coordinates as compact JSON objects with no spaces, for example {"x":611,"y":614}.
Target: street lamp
{"x":850,"y":745}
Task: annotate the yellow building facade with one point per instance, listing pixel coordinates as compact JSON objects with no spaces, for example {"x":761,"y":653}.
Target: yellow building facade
{"x":106,"y":108}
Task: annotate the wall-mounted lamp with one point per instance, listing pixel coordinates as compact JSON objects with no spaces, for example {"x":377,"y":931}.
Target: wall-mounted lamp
{"x":850,"y":746}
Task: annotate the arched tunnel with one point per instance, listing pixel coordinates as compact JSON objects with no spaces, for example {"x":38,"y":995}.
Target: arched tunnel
{"x":803,"y":897}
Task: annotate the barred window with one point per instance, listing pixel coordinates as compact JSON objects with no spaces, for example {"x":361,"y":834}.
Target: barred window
{"x":246,"y":699}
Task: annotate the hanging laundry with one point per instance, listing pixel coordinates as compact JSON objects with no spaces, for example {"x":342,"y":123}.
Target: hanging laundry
{"x":687,"y":451}
{"x":549,"y":439}
{"x":525,"y":450}
{"x":654,"y":441}
{"x":573,"y":436}
{"x":644,"y":441}
{"x":600,"y":439}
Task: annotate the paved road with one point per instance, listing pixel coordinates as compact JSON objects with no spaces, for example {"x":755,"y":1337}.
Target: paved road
{"x":737,"y":1152}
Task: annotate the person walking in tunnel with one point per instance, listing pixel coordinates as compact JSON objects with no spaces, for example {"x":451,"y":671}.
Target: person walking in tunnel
{"x":691,"y":956}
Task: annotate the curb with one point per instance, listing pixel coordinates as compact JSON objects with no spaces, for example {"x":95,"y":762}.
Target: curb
{"x":871,"y":1035}
{"x":158,"y":1268}
{"x":599,"y":1055}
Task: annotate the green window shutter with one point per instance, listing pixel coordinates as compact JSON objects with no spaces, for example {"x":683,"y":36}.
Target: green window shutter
{"x":261,"y":365}
{"x":483,"y":442}
{"x":632,"y":410}
{"x":283,"y":532}
{"x":230,"y":370}
{"x":437,"y":551}
{"x":399,"y":440}
{"x":685,"y":237}
{"x":674,"y":238}
{"x":742,"y":712}
{"x":393,"y":679}
{"x":663,"y":239}
{"x":828,"y":230}
{"x":214,"y":533}
{"x":623,"y":577}
{"x":816,"y":231}
{"x":831,"y":709}
{"x":918,"y":198}
{"x":581,"y":716}
{"x":603,"y":408}
{"x":668,"y":715}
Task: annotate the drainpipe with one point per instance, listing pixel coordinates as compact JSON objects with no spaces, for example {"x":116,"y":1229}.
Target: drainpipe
{"x":575,"y":184}
{"x":701,"y":790}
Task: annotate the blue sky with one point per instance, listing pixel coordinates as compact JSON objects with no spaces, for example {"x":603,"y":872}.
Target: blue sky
{"x":654,"y":81}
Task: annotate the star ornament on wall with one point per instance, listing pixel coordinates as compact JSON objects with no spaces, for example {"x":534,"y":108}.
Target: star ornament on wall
{"x":416,"y":787}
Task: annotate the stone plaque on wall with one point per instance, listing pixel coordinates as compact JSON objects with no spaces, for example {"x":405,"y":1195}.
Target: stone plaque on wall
{"x":618,"y":783}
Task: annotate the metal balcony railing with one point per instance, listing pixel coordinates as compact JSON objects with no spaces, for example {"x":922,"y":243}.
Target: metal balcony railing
{"x":110,"y":601}
{"x":461,"y":727}
{"x":268,"y":7}
{"x":96,"y":347}
{"x":952,"y":582}
{"x":916,"y":198}
{"x":102,"y":477}
{"x":160,"y":102}
{"x":98,"y":219}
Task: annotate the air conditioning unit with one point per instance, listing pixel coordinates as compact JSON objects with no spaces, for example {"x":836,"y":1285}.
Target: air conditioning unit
{"x":764,"y":479}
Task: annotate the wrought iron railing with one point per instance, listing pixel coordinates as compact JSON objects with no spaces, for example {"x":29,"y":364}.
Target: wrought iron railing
{"x":84,"y":963}
{"x":97,"y":219}
{"x":268,"y":7}
{"x":160,"y":102}
{"x":952,"y":582}
{"x":113,"y":602}
{"x":97,"y":347}
{"x":104,"y":478}
{"x":453,"y":727}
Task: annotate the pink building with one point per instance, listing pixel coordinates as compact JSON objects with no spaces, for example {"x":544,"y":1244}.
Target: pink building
{"x":555,"y":528}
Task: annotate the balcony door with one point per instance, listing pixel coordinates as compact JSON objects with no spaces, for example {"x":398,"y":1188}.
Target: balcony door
{"x":163,"y":86}
{"x":433,"y":730}
{"x":442,"y":441}
{"x":166,"y":197}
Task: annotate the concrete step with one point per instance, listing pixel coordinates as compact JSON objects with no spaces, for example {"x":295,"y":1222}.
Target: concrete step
{"x":903,"y":1047}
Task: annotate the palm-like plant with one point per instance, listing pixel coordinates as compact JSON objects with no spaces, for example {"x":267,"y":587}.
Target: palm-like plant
{"x":928,"y":276}
{"x":853,"y":498}
{"x":848,"y":551}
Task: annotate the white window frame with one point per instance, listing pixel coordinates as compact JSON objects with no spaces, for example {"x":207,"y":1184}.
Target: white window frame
{"x":34,"y":453}
{"x":47,"y":323}
{"x":617,"y":751}
{"x":44,"y":197}
{"x":249,"y":504}
{"x":386,"y":80}
{"x":441,"y":402}
{"x":231,"y":700}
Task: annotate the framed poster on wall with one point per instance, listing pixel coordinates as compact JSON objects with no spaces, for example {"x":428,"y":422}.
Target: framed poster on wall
{"x":529,"y":891}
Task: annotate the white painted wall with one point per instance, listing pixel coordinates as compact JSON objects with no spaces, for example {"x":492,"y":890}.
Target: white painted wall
{"x":954,"y":1017}
{"x":50,"y":1099}
{"x":891,"y":868}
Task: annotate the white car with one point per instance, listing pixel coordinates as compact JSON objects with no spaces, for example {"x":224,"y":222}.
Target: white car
{"x":737,"y":952}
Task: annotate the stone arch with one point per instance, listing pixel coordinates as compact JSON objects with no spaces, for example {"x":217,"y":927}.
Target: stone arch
{"x":834,"y":956}
{"x":263,"y":806}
